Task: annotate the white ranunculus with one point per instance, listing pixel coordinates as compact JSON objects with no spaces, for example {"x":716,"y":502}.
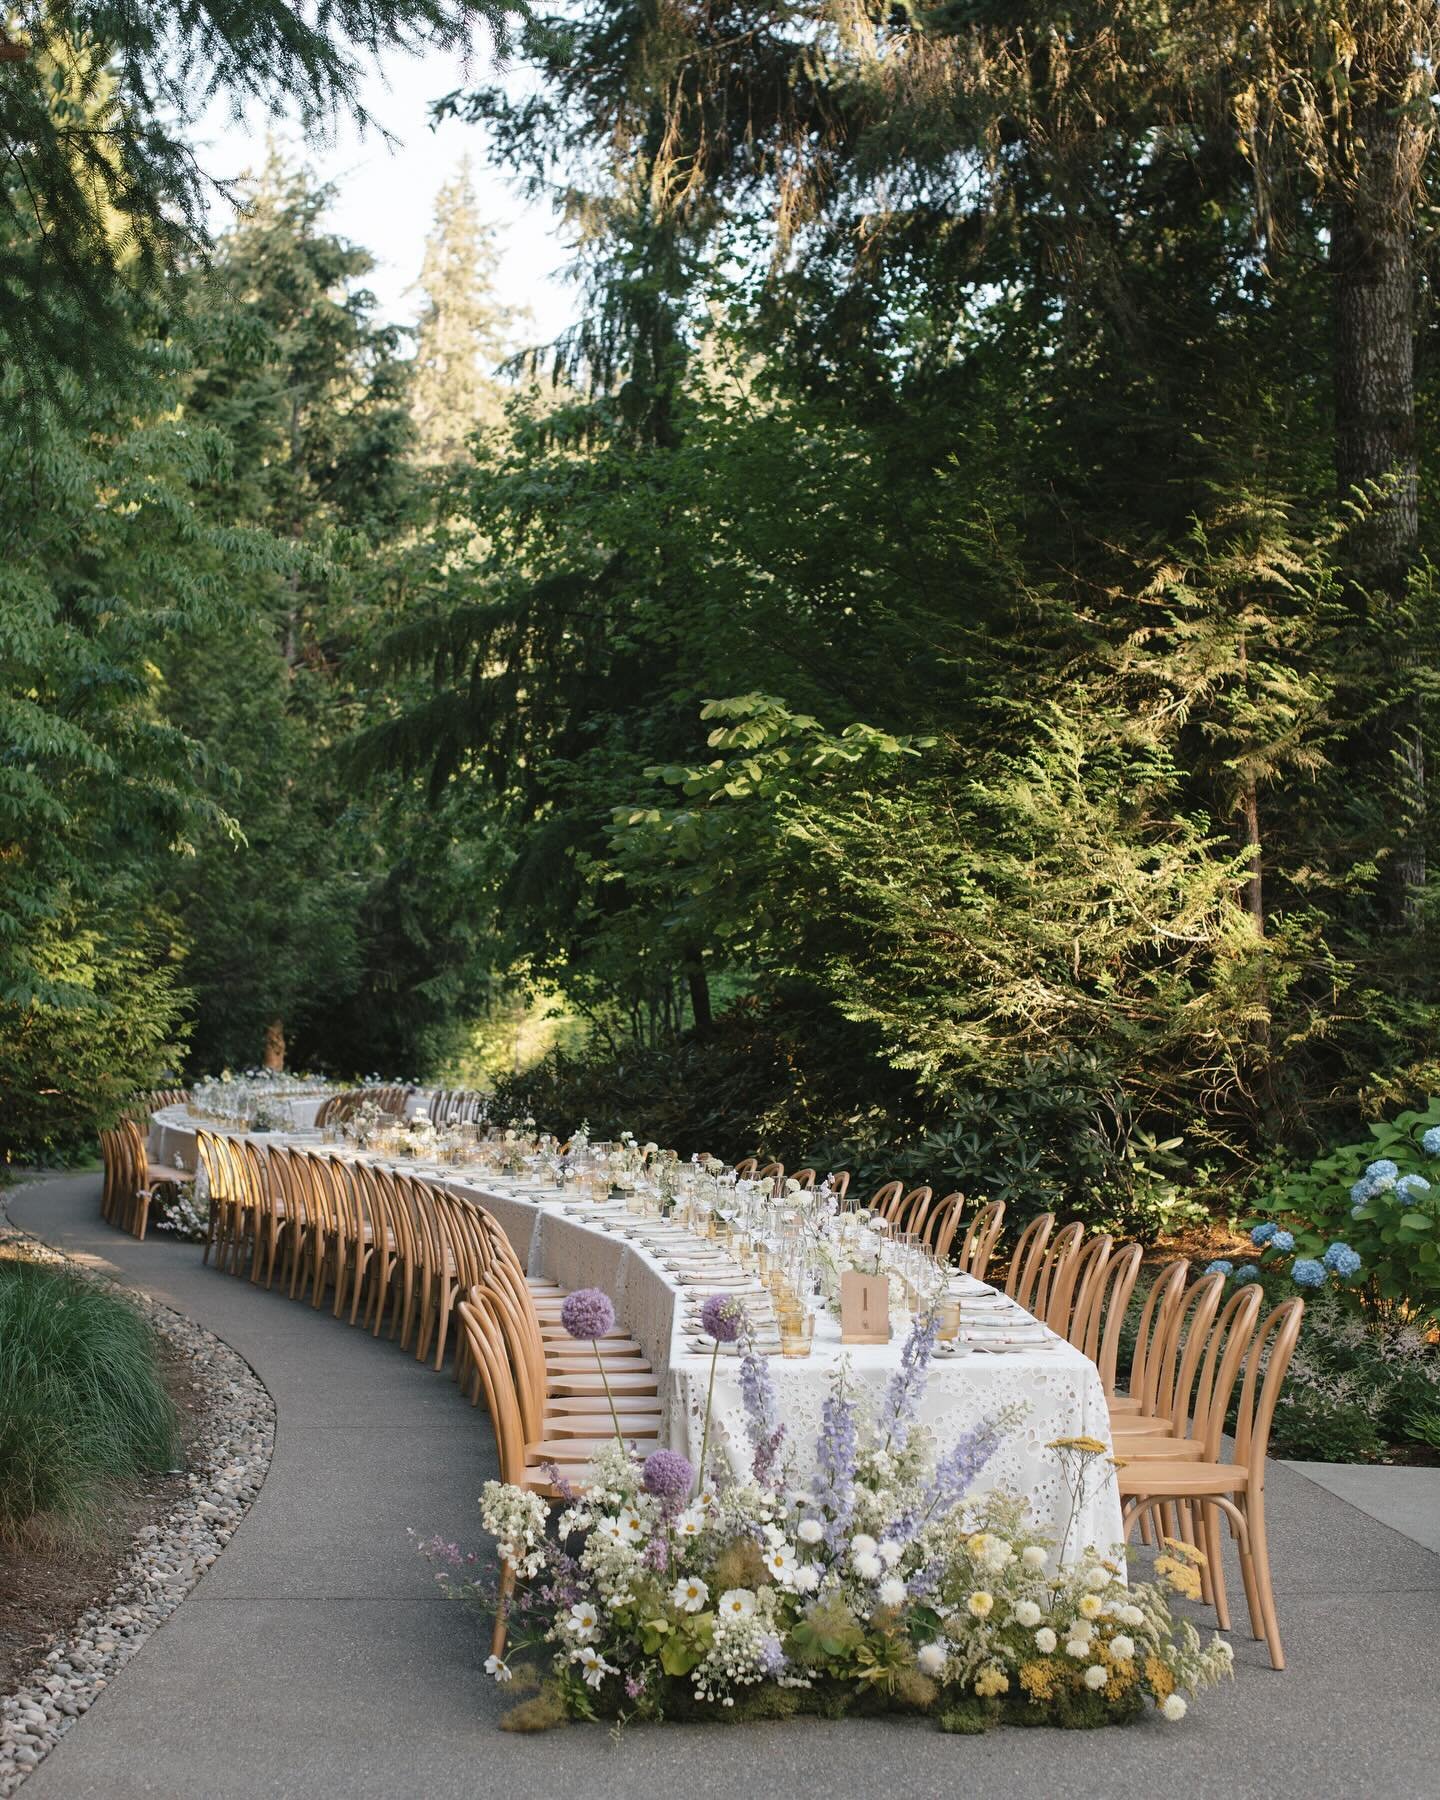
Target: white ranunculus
{"x":1026,"y":1613}
{"x":1079,"y":1648}
{"x":810,"y":1531}
{"x":892,"y":1591}
{"x":1045,"y":1640}
{"x":1122,"y":1648}
{"x":1131,"y":1615}
{"x":1096,"y":1676}
{"x":931,"y":1658}
{"x":1174,"y":1708}
{"x":1034,"y":1556}
{"x":1096,"y":1577}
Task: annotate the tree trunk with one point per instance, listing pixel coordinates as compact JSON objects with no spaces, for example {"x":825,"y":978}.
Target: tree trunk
{"x":1255,"y":881}
{"x":274,"y":1057}
{"x":1374,"y":310}
{"x":698,"y":983}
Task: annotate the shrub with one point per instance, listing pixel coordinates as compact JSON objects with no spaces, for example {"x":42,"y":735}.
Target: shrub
{"x":1381,"y":1198}
{"x":81,"y":1397}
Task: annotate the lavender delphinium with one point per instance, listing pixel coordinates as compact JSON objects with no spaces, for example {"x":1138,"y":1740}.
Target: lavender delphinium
{"x":765,"y":1429}
{"x":960,"y":1464}
{"x":907,"y":1384}
{"x":835,"y":1452}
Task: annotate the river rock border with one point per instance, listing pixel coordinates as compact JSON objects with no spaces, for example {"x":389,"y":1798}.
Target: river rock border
{"x":228,"y":1461}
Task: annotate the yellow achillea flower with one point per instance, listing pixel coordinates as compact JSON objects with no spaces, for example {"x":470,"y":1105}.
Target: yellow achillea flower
{"x":1040,"y":1679}
{"x":1180,"y":1577}
{"x":1157,"y":1674}
{"x":991,"y":1680}
{"x":1190,"y":1552}
{"x":1089,"y":1446}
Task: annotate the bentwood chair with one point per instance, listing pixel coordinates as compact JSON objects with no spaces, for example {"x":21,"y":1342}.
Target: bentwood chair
{"x":1074,"y":1287}
{"x":1172,"y":1365}
{"x":1027,"y":1259}
{"x":1236,"y":1488}
{"x":941,"y":1223}
{"x":979,"y":1242}
{"x":1056,"y":1269}
{"x":1097,"y":1330}
{"x":887,"y":1195}
{"x":1156,"y":1312}
{"x":806,"y":1177}
{"x":140,"y":1179}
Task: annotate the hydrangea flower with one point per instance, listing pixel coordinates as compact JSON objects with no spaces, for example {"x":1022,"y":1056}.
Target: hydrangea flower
{"x":1341,"y":1260}
{"x":1308,"y":1273}
{"x":1247,"y":1272}
{"x":1361,"y":1191}
{"x":1382,"y":1166}
{"x":1220,"y":1267}
{"x":1262,"y":1234}
{"x":1430,"y":1143}
{"x":1412,"y":1184}
{"x":1283,"y":1240}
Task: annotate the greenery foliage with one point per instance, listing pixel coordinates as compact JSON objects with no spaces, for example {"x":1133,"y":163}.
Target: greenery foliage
{"x":82,"y":1402}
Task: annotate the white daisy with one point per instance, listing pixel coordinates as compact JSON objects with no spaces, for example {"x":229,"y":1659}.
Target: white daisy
{"x":689,"y":1595}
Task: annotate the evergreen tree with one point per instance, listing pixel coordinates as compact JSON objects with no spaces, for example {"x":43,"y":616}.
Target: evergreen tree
{"x":463,"y":329}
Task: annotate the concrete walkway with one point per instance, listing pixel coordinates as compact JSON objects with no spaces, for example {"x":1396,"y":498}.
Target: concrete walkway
{"x":1407,"y":1500}
{"x":316,"y":1659}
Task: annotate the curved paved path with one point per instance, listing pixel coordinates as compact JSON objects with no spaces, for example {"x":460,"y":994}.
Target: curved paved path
{"x":316,"y":1659}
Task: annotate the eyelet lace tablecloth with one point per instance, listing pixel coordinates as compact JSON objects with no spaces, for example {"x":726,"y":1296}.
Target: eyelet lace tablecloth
{"x":1049,"y":1393}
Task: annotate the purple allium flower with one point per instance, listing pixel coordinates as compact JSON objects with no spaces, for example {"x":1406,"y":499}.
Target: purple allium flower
{"x":667,"y":1475}
{"x":907,"y":1384}
{"x":835,"y":1447}
{"x":634,"y":1686}
{"x":587,"y":1314}
{"x":720,"y":1316}
{"x":656,"y":1555}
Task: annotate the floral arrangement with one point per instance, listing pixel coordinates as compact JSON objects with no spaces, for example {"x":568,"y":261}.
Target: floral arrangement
{"x":874,"y":1584}
{"x":1366,"y":1219}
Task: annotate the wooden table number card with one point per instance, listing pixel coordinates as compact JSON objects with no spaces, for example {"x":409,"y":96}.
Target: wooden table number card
{"x":864,"y":1308}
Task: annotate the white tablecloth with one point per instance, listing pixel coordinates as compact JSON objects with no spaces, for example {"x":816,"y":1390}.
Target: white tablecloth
{"x":1054,"y":1391}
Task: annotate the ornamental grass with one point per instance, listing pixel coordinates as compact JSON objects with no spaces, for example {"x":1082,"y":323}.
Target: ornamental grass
{"x":82,"y":1402}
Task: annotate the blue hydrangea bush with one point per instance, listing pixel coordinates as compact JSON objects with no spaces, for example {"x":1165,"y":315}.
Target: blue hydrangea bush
{"x":1363,"y":1221}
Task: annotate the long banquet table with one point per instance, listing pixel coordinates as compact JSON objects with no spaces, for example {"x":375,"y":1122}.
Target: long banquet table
{"x":1048,"y":1388}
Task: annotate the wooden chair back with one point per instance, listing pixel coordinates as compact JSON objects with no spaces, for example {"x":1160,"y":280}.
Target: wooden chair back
{"x":1186,"y":1336}
{"x":1105,"y":1313}
{"x":1074,"y":1285}
{"x":1266,"y":1365}
{"x":1156,"y":1313}
{"x":1028,"y":1258}
{"x":942,"y":1221}
{"x":1056,"y":1268}
{"x":981,"y":1238}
